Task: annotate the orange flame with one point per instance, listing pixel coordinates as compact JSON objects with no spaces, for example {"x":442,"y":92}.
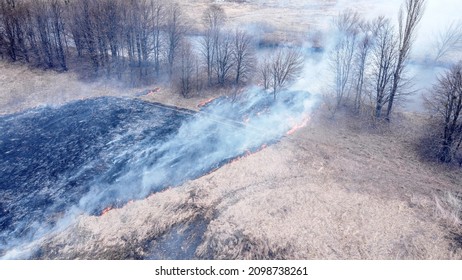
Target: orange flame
{"x":299,"y":126}
{"x":105,"y":210}
{"x":153,"y":91}
{"x":205,"y":102}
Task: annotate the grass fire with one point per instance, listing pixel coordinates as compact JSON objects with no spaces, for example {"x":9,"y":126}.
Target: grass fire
{"x":304,"y":129}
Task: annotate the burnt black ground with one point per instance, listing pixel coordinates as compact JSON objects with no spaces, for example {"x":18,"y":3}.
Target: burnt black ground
{"x":88,"y":155}
{"x":50,"y":156}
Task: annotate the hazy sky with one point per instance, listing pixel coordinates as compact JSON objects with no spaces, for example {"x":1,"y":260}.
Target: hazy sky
{"x":438,"y":15}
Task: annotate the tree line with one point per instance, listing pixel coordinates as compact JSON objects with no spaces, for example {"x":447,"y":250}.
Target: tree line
{"x":33,"y":31}
{"x":138,"y":39}
{"x":141,"y":37}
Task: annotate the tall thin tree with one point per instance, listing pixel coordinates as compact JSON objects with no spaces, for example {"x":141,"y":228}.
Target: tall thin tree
{"x":409,"y":18}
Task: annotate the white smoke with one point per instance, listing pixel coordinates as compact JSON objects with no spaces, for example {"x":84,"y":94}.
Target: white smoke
{"x":223,"y":130}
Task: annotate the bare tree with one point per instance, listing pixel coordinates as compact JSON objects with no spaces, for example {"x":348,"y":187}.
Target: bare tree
{"x":111,"y":21}
{"x":158,"y":20}
{"x":175,"y":30}
{"x":449,"y":41}
{"x":243,"y":56}
{"x":74,"y":27}
{"x":135,"y":33}
{"x":265,"y":73}
{"x":409,"y":18}
{"x":58,"y":31}
{"x":207,"y":51}
{"x":186,"y":69}
{"x":224,"y":58}
{"x":281,"y":68}
{"x":32,"y":37}
{"x":446,"y":103}
{"x":342,"y":55}
{"x":44,"y":30}
{"x":384,"y":61}
{"x":213,"y":19}
{"x":145,"y":32}
{"x":84,"y":16}
{"x":21,"y":22}
{"x":364,"y":46}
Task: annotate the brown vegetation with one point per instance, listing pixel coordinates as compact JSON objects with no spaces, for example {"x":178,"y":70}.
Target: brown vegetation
{"x":37,"y":87}
{"x":445,"y":103}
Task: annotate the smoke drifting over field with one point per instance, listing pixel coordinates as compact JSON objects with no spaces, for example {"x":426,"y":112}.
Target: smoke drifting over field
{"x":95,"y":154}
{"x":90,"y":156}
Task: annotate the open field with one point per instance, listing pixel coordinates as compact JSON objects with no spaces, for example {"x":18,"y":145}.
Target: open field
{"x":332,"y":190}
{"x":40,"y":88}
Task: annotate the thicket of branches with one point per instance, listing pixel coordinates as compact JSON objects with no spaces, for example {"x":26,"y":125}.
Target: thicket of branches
{"x":445,"y":105}
{"x":281,"y":68}
{"x":368,"y":61}
{"x":33,"y":31}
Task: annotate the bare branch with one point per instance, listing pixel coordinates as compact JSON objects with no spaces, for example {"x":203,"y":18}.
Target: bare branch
{"x":281,"y":69}
{"x":449,"y":41}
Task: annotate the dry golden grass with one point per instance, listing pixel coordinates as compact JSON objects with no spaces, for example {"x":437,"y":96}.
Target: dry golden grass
{"x":449,"y":206}
{"x":120,"y":233}
{"x":332,"y":194}
{"x":293,"y":16}
{"x":23,"y":87}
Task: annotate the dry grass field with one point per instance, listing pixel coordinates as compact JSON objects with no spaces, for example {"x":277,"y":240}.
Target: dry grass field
{"x":332,"y":190}
{"x":24,"y":87}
